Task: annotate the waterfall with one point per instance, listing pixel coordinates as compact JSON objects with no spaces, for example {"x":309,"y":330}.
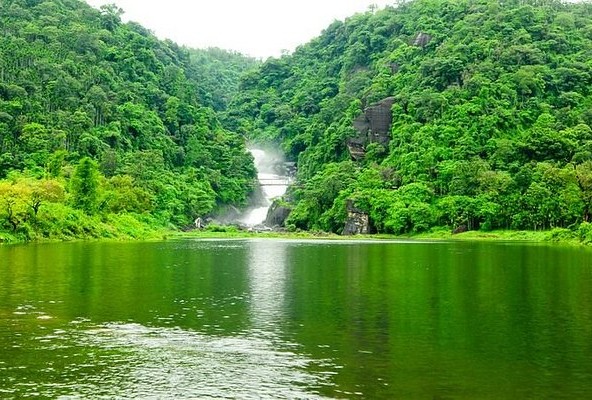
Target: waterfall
{"x":273,"y":181}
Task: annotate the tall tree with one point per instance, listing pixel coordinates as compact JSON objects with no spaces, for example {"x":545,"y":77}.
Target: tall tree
{"x":85,"y":186}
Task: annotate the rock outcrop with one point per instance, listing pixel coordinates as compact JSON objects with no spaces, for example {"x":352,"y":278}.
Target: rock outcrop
{"x":373,"y":126}
{"x":357,"y":222}
{"x":277,"y":214}
{"x":422,"y":39}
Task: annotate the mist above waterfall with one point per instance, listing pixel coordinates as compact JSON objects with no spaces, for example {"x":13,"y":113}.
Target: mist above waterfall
{"x":268,"y":160}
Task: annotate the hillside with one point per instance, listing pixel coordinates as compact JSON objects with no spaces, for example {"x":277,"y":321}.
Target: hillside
{"x":100,"y":120}
{"x":463,"y":114}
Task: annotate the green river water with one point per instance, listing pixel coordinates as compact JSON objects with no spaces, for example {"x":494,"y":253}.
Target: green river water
{"x":269,"y":318}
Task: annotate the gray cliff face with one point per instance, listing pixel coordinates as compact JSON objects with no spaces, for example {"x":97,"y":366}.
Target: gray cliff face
{"x":357,"y":222}
{"x":373,"y":126}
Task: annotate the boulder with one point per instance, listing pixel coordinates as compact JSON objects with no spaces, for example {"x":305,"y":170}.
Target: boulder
{"x":277,"y":214}
{"x":357,"y":222}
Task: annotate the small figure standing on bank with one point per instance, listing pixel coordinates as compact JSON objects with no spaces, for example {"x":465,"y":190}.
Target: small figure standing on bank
{"x":198,"y":223}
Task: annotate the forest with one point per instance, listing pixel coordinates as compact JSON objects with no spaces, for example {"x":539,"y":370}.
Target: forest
{"x":106,"y":131}
{"x":490,"y":119}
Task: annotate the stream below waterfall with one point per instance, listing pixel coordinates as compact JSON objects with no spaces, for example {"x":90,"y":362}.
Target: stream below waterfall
{"x":273,"y":181}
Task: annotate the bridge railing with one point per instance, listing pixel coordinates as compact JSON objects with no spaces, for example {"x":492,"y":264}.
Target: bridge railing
{"x":275,"y":182}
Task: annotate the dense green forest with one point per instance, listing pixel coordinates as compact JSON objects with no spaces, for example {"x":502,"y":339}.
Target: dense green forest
{"x":491,"y":117}
{"x":106,"y":131}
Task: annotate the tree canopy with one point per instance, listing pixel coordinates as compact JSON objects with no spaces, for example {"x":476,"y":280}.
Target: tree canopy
{"x":122,"y":121}
{"x":491,"y":121}
{"x":488,"y":109}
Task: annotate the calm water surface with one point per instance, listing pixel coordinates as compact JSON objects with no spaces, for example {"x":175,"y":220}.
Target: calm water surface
{"x":295,"y":319}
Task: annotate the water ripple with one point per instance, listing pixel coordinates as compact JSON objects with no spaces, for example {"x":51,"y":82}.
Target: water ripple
{"x":172,"y":363}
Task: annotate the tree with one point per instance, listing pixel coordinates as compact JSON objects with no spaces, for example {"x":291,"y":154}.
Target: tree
{"x":78,"y":86}
{"x":111,"y":16}
{"x":13,"y":205}
{"x":43,"y":191}
{"x":584,"y":179}
{"x":85,"y":186}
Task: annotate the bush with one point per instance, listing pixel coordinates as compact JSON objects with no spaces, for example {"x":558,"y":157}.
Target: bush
{"x":128,"y":226}
{"x":585,"y":232}
{"x":221,"y":228}
{"x":561,"y":234}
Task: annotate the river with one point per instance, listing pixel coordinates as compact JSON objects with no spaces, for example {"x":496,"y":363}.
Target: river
{"x":267,"y":318}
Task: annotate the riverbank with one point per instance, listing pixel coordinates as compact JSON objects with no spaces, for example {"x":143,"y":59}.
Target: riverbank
{"x":564,"y":236}
{"x":77,"y":226}
{"x":129,"y":228}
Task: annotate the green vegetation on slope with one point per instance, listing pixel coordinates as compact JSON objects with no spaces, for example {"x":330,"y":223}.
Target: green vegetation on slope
{"x":102,"y":126}
{"x":491,"y":121}
{"x":218,"y":73}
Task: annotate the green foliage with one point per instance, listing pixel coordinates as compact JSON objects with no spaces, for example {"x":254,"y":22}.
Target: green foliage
{"x":221,"y":228}
{"x":218,"y":73}
{"x":85,"y":186}
{"x":102,"y":125}
{"x":318,"y":195}
{"x":37,"y":209}
{"x":130,"y":124}
{"x":585,"y":232}
{"x":491,"y":122}
{"x":122,"y":195}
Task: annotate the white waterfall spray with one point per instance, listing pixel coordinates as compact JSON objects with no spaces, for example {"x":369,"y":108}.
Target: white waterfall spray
{"x":273,"y":181}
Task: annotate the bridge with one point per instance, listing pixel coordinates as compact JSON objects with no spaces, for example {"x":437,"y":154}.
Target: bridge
{"x":275,"y":182}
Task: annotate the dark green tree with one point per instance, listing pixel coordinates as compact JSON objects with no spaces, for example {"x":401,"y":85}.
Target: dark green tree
{"x":85,"y":186}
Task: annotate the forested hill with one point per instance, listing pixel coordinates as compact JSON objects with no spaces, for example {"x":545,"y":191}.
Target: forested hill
{"x":488,"y":114}
{"x":99,"y":119}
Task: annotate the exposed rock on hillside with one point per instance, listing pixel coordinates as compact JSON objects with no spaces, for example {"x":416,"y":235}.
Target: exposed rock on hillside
{"x":422,"y":39}
{"x":373,"y":126}
{"x":357,"y":222}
